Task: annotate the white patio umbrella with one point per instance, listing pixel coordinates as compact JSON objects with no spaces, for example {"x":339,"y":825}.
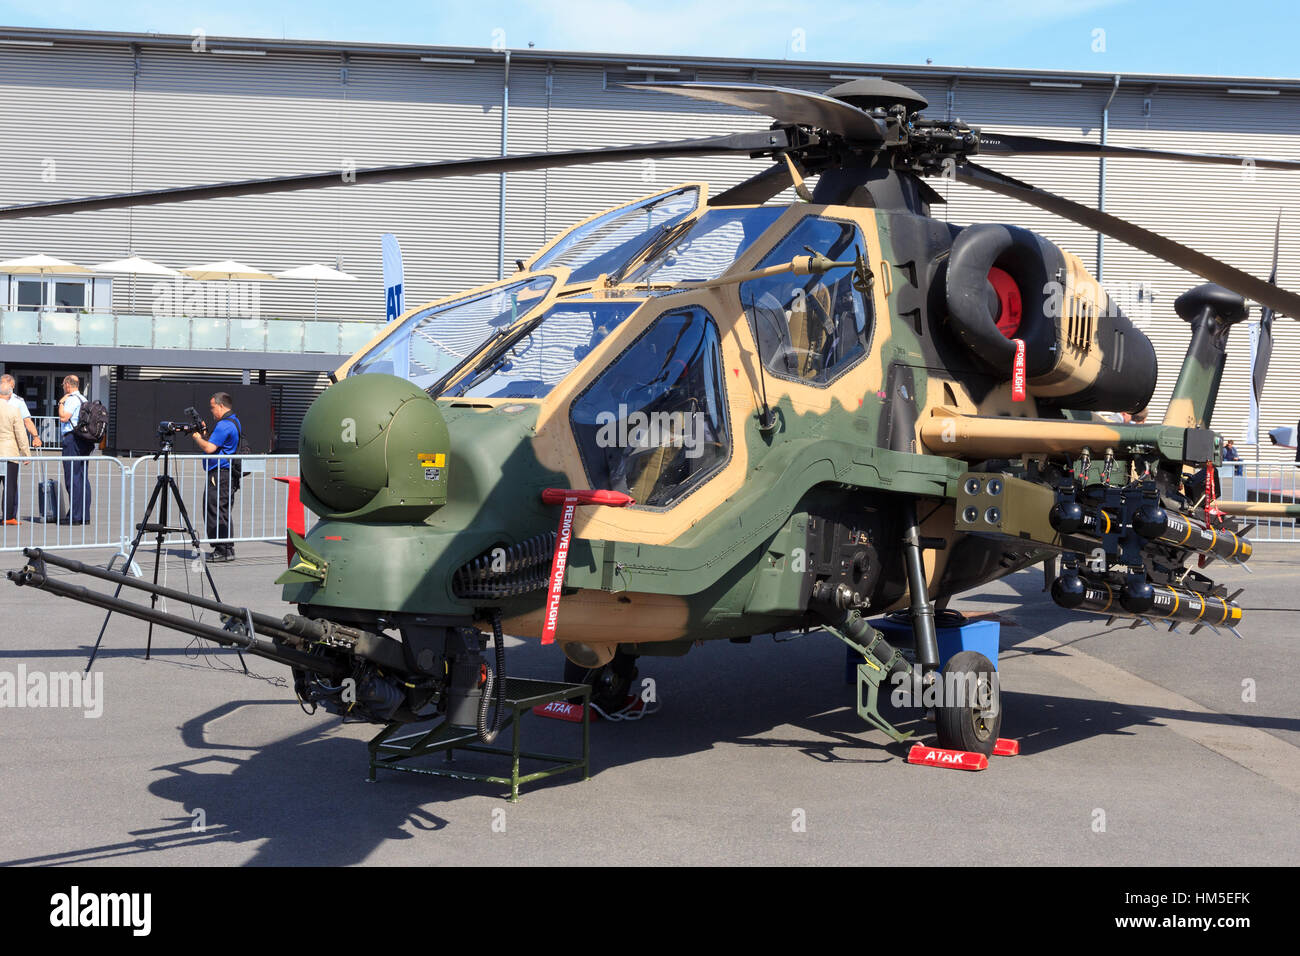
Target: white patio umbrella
{"x":135,"y":266}
{"x":227,"y":269}
{"x":316,"y":272}
{"x":43,"y":266}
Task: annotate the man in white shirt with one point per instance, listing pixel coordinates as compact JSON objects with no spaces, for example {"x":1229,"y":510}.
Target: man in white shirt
{"x":8,"y":385}
{"x":13,"y":444}
{"x":74,"y":472}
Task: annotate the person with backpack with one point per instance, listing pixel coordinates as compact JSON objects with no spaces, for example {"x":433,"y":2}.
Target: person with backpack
{"x":75,"y":444}
{"x":222,"y":481}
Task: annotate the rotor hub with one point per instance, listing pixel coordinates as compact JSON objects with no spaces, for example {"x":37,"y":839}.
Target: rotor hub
{"x":872,"y":93}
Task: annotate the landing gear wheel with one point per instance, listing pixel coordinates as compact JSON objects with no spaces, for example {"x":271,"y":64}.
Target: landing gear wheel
{"x":972,"y":721}
{"x":610,"y":684}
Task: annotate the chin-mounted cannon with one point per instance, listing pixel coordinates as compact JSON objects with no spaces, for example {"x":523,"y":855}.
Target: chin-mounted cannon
{"x":437,"y":669}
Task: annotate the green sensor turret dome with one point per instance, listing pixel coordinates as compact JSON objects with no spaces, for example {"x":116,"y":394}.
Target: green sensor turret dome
{"x":374,"y":446}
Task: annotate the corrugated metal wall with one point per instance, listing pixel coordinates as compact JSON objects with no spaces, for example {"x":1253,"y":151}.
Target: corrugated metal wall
{"x":197,"y":117}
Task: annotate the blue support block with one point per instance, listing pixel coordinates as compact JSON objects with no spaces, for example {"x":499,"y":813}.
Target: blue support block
{"x":979,"y":636}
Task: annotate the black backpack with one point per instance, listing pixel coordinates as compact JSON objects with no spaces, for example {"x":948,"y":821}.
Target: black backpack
{"x":92,"y":422}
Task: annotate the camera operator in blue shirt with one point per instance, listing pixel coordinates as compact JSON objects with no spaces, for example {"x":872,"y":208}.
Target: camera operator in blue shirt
{"x":220,"y":488}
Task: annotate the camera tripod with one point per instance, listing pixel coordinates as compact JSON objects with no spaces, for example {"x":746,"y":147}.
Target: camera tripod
{"x":164,"y":489}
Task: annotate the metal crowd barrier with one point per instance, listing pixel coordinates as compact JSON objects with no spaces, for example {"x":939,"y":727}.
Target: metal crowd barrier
{"x":42,"y":502}
{"x":256,"y":511}
{"x":120,"y":492}
{"x":1275,"y":482}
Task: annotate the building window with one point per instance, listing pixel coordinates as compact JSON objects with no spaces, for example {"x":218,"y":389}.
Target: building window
{"x":615,"y":79}
{"x":55,"y":294}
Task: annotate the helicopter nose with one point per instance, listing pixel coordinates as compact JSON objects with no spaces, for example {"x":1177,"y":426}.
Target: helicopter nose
{"x":374,"y":446}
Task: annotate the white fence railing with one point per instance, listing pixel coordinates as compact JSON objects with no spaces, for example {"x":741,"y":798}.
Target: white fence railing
{"x":98,"y":501}
{"x":1267,"y":482}
{"x":38,"y":497}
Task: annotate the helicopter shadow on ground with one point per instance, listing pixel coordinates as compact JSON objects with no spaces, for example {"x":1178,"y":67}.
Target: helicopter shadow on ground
{"x":304,"y":797}
{"x":823,"y":713}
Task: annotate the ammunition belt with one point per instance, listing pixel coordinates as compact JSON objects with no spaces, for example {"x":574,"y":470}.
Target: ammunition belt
{"x":508,"y":570}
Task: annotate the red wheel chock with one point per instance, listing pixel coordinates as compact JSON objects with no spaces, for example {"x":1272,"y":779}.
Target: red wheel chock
{"x":560,"y":710}
{"x":960,"y":759}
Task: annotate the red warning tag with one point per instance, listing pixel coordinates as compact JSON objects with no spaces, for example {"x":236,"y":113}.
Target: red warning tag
{"x":955,"y":759}
{"x":570,"y":498}
{"x":1005,"y":747}
{"x":560,"y":710}
{"x":1018,"y":372}
{"x":1211,"y":496}
{"x":558,"y":563}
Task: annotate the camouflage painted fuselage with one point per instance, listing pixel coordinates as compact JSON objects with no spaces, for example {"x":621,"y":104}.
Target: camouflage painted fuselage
{"x":816,"y":498}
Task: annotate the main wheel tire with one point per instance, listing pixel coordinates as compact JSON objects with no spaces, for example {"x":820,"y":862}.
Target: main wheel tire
{"x":609,"y":684}
{"x":964,"y":724}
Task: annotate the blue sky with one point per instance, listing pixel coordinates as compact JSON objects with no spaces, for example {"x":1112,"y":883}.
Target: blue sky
{"x":1249,"y":38}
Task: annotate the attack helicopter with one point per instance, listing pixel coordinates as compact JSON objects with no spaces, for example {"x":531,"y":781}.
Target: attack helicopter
{"x":746,"y":417}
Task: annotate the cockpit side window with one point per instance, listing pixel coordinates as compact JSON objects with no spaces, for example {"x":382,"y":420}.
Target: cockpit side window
{"x":611,"y":240}
{"x":654,"y":424}
{"x":810,"y":328}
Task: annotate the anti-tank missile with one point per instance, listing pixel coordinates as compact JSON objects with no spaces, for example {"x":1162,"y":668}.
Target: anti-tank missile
{"x":1158,"y":524}
{"x":1143,"y":599}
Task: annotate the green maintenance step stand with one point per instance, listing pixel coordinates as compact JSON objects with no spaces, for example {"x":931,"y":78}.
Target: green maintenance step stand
{"x":520,"y":696}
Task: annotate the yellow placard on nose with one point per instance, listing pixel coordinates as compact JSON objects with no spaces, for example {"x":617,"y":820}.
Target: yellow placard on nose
{"x":431,"y":460}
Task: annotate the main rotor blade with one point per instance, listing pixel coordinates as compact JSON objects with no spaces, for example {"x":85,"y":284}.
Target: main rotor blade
{"x":798,"y":107}
{"x":748,"y":143}
{"x":757,"y":189}
{"x":1009,"y":144}
{"x":1280,"y":300}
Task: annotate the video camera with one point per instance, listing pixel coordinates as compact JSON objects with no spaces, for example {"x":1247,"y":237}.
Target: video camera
{"x":193,"y":426}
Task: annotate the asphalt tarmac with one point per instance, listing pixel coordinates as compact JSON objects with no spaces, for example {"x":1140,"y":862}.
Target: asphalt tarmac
{"x":1138,"y":747}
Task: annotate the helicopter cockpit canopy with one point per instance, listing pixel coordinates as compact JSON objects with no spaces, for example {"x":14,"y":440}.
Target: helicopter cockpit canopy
{"x":611,"y":240}
{"x":536,"y":362}
{"x":705,"y":248}
{"x":430,"y":342}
